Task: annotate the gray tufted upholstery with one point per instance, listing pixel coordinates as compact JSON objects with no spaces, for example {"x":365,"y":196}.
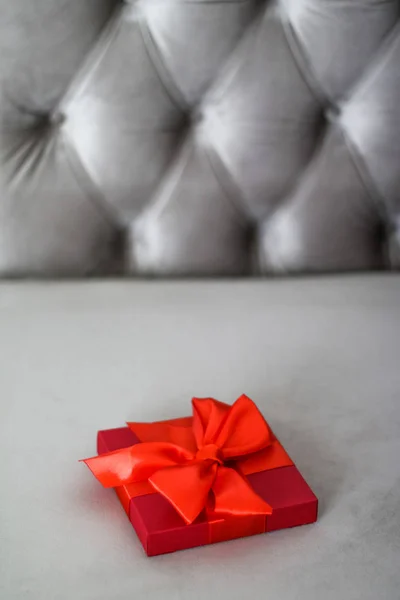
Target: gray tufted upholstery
{"x":175,"y":137}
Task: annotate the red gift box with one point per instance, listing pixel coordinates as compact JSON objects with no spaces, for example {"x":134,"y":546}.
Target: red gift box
{"x":159,"y":525}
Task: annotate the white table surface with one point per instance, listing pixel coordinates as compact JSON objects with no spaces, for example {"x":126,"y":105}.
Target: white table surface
{"x":321,"y":357}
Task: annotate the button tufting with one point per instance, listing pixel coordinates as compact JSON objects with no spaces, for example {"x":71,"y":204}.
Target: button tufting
{"x":57,"y":119}
{"x":333,"y":112}
{"x":196,"y":116}
{"x":187,"y":120}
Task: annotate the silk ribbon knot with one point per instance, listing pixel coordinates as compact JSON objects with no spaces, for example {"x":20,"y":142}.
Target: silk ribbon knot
{"x":196,"y":462}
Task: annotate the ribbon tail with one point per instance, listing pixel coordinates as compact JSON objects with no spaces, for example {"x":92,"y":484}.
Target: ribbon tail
{"x":234,"y":496}
{"x":186,"y":487}
{"x":113,"y":468}
{"x":135,"y":463}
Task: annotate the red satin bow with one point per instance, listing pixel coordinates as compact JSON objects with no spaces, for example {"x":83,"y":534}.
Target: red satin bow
{"x":198,"y":466}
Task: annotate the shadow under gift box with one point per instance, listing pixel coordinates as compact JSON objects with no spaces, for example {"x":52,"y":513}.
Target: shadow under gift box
{"x":161,"y":529}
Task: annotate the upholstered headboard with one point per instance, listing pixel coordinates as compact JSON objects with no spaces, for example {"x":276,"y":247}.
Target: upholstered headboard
{"x":172,"y":137}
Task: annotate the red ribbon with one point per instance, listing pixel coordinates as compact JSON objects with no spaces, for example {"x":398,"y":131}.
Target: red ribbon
{"x":200,"y":462}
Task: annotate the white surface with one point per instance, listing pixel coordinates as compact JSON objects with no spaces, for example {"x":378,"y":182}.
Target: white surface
{"x":320,"y":357}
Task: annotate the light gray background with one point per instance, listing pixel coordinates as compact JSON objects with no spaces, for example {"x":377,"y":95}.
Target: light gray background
{"x":321,"y":358}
